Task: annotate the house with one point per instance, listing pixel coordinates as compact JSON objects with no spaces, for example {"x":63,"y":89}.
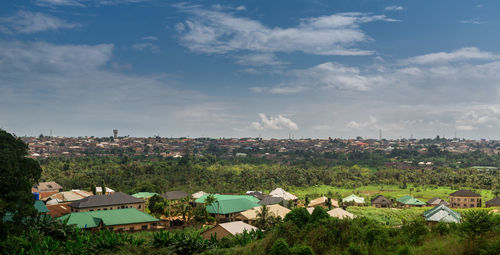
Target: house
{"x":175,"y":195}
{"x":109,"y":191}
{"x":228,"y":229}
{"x":409,"y":201}
{"x":279,"y":192}
{"x":129,"y":219}
{"x":441,"y":213}
{"x":48,"y":187}
{"x":117,"y":200}
{"x":198,"y":194}
{"x":435,"y":201}
{"x":225,"y":210}
{"x":322,"y":201}
{"x":219,"y":197}
{"x":381,"y":202}
{"x":250,"y":216}
{"x":269,"y":200}
{"x":66,"y":196}
{"x":58,"y":210}
{"x":465,"y":199}
{"x":493,"y":202}
{"x":144,"y":195}
{"x":257,"y":194}
{"x":354,"y":200}
{"x":340,"y":213}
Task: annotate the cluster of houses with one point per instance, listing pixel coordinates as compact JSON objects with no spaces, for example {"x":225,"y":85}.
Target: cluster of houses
{"x":234,"y":214}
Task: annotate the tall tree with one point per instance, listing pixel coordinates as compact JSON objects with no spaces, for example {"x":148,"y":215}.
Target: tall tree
{"x":17,"y":175}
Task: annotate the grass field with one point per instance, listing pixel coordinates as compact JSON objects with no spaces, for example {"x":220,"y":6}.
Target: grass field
{"x":390,"y":191}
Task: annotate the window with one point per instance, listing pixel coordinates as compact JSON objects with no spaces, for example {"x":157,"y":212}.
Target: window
{"x":139,"y":206}
{"x":144,"y":227}
{"x":91,"y":210}
{"x":472,"y":199}
{"x":105,"y":209}
{"x":131,"y":229}
{"x":458,"y":199}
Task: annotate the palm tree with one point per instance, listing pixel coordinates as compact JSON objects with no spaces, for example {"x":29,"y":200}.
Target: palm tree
{"x":212,"y":200}
{"x":263,"y":217}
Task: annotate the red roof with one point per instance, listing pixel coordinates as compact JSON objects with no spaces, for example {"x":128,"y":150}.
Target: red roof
{"x":59,"y":210}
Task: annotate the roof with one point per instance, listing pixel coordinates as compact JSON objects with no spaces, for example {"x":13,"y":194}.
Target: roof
{"x":108,"y":190}
{"x":381,"y":200}
{"x":409,"y":200}
{"x":47,"y":186}
{"x":270,"y":200}
{"x":237,"y":227}
{"x":355,"y":199}
{"x":107,"y":218}
{"x":437,"y":201}
{"x":40,"y":207}
{"x":117,"y":198}
{"x":226,"y":197}
{"x":340,"y":213}
{"x":68,"y":196}
{"x":279,"y":192}
{"x":198,"y":194}
{"x":323,"y":200}
{"x":257,"y":194}
{"x":175,"y":195}
{"x":231,"y":206}
{"x":464,"y":193}
{"x":493,"y":202}
{"x":274,"y":210}
{"x":441,"y":213}
{"x":144,"y":194}
{"x":58,"y":210}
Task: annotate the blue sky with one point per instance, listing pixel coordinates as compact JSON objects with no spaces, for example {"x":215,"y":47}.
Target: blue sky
{"x":250,"y":68}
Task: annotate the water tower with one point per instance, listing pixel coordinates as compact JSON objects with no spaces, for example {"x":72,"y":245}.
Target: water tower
{"x":115,"y":133}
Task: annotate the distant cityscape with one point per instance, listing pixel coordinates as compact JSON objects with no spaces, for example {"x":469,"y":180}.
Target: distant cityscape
{"x":57,"y":146}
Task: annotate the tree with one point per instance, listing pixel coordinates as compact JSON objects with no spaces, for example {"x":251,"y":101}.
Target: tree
{"x":103,"y":187}
{"x":318,"y":214}
{"x":299,"y":216}
{"x":263,"y":217}
{"x":17,"y":175}
{"x":94,"y":190}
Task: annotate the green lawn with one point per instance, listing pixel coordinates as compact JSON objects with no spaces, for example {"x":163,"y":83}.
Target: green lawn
{"x":390,"y":191}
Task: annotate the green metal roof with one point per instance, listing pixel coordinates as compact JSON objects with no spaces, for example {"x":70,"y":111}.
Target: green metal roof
{"x":231,"y":206}
{"x":40,"y":207}
{"x":108,"y":218}
{"x":355,"y":199}
{"x":409,"y":200}
{"x":144,"y":194}
{"x":441,"y":213}
{"x":227,"y":197}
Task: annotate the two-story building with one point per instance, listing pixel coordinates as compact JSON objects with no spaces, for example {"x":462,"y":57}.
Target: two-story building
{"x":117,"y":200}
{"x":465,"y":199}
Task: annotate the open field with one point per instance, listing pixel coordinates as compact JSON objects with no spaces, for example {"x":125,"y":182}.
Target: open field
{"x":390,"y":191}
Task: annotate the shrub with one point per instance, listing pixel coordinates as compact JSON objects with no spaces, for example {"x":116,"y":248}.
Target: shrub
{"x":280,"y":247}
{"x":299,"y":216}
{"x":318,"y":214}
{"x":301,"y":249}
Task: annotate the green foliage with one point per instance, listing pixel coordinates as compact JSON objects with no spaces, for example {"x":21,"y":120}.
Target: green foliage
{"x":182,"y":242}
{"x":414,"y":231}
{"x":299,"y":216}
{"x":17,"y":175}
{"x":280,"y":247}
{"x":318,"y":214}
{"x":301,"y":249}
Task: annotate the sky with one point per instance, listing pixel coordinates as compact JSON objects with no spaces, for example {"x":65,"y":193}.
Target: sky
{"x":277,"y":68}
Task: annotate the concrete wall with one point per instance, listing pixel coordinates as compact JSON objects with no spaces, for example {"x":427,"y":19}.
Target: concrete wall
{"x":138,"y":206}
{"x":465,"y":202}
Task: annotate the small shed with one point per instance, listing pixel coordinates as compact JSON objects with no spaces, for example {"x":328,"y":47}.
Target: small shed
{"x":341,"y":213}
{"x":381,"y":202}
{"x":322,"y":201}
{"x":228,"y":229}
{"x":493,"y":202}
{"x":354,"y":199}
{"x":441,"y":213}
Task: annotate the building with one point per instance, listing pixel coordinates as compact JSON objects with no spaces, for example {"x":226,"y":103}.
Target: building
{"x":381,"y":202}
{"x":228,"y":229}
{"x":129,"y":219}
{"x":322,"y":201}
{"x":219,"y":197}
{"x":251,"y":215}
{"x":58,"y":210}
{"x":175,"y":195}
{"x":493,"y":202}
{"x":109,"y":191}
{"x":465,"y":199}
{"x":279,"y":192}
{"x":144,"y":195}
{"x":441,"y":213}
{"x":354,"y":200}
{"x":409,"y":201}
{"x":118,"y":200}
{"x":198,"y":194}
{"x":226,"y":210}
{"x":66,"y":196}
{"x":269,"y":200}
{"x":340,"y":213}
{"x":437,"y":201}
{"x":115,"y":133}
{"x":48,"y":187}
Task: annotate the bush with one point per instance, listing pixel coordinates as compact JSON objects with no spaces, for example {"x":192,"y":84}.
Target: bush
{"x":280,"y":247}
{"x":301,"y":249}
{"x":318,"y":214}
{"x":299,"y":216}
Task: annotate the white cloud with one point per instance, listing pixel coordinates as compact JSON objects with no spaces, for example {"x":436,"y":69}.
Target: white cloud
{"x":59,"y":3}
{"x":145,"y":46}
{"x":212,"y":31}
{"x":370,"y":124}
{"x":274,"y":123}
{"x":150,"y":38}
{"x":25,"y":22}
{"x":468,"y":53}
{"x":394,"y":8}
{"x":475,"y":21}
{"x":258,"y":59}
